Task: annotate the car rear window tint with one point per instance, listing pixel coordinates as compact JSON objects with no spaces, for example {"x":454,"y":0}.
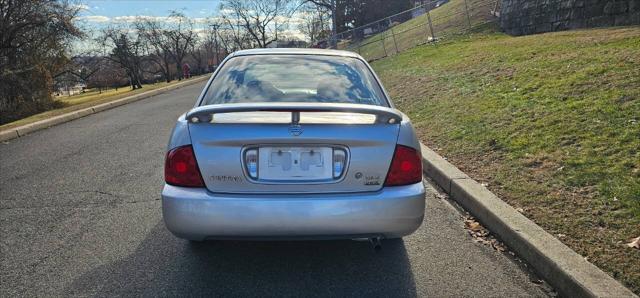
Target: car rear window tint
{"x":294,"y":78}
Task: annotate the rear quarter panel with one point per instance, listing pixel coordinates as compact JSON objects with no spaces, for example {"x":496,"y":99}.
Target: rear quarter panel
{"x":180,"y":134}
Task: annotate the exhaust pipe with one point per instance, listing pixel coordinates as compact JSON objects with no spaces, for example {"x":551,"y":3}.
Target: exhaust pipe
{"x":375,"y":243}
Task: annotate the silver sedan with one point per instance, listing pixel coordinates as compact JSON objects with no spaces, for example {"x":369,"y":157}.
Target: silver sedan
{"x":293,"y":144}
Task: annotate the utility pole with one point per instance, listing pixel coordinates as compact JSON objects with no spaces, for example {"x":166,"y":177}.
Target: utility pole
{"x":276,"y":27}
{"x":466,"y":9}
{"x":276,"y":38}
{"x":215,"y":41}
{"x":334,"y":25}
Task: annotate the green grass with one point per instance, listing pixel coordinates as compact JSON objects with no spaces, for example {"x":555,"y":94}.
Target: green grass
{"x":551,"y":122}
{"x":447,"y":21}
{"x":84,"y":100}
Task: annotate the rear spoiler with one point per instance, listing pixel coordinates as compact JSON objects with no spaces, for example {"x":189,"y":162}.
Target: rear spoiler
{"x":204,"y":114}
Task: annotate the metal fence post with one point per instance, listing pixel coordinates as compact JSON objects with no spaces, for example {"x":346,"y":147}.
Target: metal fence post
{"x":395,"y":44}
{"x":495,"y":9}
{"x":466,"y":9}
{"x":354,"y":39}
{"x":433,"y":36}
{"x":383,"y":46}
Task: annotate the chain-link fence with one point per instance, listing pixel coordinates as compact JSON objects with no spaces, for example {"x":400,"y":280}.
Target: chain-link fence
{"x":429,"y":22}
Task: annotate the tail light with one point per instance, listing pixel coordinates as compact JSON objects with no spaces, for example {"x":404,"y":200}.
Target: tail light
{"x":339,"y":162}
{"x":181,"y":168}
{"x":406,"y":167}
{"x":251,"y":161}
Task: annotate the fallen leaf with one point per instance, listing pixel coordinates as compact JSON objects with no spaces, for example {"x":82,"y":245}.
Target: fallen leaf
{"x":482,"y":235}
{"x":635,"y":243}
{"x":441,"y":196}
{"x":474,"y":226}
{"x":497,"y":245}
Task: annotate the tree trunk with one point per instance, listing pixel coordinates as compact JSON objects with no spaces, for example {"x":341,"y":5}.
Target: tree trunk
{"x":167,"y":68}
{"x":179,"y":69}
{"x":138,"y":83}
{"x":130,"y":75}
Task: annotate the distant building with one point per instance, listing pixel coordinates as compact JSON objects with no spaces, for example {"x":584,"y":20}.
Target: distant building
{"x":70,"y":90}
{"x":288,"y":43}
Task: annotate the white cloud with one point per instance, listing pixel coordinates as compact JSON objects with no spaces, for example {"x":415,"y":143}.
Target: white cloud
{"x":168,"y":19}
{"x":293,"y":33}
{"x":95,"y":19}
{"x":130,"y":19}
{"x":200,"y":20}
{"x":81,"y":6}
{"x":226,"y":11}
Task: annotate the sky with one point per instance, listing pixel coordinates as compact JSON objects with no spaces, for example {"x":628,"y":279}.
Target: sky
{"x":100,"y":12}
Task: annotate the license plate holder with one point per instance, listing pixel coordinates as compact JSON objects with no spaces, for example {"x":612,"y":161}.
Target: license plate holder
{"x":291,"y":163}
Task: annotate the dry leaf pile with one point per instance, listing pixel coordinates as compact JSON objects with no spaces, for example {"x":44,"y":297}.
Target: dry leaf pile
{"x":442,"y":196}
{"x":482,"y":235}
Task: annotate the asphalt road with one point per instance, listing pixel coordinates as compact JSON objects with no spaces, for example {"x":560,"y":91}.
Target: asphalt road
{"x":80,"y":215}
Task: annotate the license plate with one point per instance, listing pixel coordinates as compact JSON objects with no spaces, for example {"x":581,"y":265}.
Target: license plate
{"x":295,"y":163}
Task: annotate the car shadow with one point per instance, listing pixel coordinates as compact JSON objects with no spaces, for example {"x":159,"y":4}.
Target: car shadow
{"x":163,"y":265}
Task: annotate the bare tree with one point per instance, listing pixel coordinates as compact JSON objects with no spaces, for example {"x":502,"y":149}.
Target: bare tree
{"x":156,"y":42}
{"x":212,"y":42}
{"x":125,"y":49}
{"x":261,"y":19}
{"x":315,"y":22}
{"x":232,"y":33}
{"x":181,"y":37}
{"x":111,"y":75}
{"x":199,"y":55}
{"x":327,"y":4}
{"x":331,"y":7}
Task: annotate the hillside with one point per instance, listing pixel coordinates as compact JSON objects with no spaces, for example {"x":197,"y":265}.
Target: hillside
{"x":448,"y":20}
{"x":550,"y":122}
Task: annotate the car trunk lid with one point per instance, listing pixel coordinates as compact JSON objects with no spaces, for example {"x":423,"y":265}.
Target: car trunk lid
{"x":294,"y":148}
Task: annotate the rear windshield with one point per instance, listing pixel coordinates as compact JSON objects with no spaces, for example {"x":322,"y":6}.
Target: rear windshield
{"x":294,"y":78}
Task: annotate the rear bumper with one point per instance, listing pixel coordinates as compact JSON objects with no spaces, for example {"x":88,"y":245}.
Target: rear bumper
{"x":197,"y":214}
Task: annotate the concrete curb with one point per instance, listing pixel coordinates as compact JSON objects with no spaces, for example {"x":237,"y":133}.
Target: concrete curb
{"x":568,"y":272}
{"x":23,"y":130}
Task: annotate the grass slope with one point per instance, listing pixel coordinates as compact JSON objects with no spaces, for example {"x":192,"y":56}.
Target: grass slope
{"x":551,"y":122}
{"x":446,"y":20}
